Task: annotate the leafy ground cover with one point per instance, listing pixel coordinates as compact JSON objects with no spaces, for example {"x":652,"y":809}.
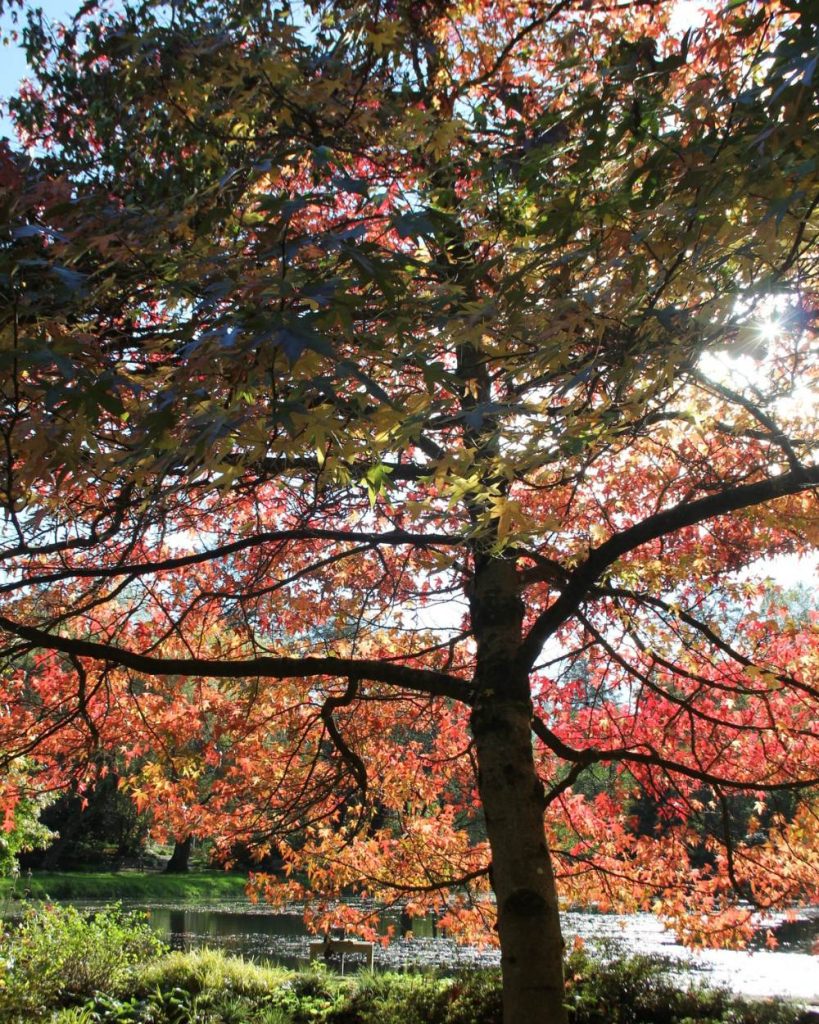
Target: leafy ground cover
{"x":61,"y":967}
{"x":126,"y":885}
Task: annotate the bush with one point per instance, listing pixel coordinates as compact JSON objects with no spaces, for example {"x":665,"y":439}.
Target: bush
{"x":57,"y":956}
{"x":308,"y":997}
{"x":645,"y":990}
{"x":175,"y":1006}
{"x":475,"y":998}
{"x":209,"y":987}
{"x":208,"y":969}
{"x":388,"y":998}
{"x":74,"y":1015}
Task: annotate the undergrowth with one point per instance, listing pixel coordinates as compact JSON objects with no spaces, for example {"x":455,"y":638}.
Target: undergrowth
{"x":59,"y":967}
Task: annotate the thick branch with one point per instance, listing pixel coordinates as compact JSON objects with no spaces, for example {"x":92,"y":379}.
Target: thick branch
{"x":436,"y":684}
{"x":687,"y":513}
{"x":445,"y":883}
{"x":394,"y":538}
{"x":353,"y":761}
{"x":594,"y":755}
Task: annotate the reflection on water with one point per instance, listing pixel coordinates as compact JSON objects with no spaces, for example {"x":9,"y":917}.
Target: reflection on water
{"x":799,"y":936}
{"x":249,"y":931}
{"x":277,"y":937}
{"x":282,"y":938}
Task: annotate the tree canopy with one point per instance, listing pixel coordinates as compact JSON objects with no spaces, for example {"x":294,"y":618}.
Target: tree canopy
{"x":398,"y":402}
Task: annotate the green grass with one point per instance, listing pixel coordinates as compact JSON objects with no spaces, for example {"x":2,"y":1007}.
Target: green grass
{"x":126,"y":885}
{"x":210,"y":969}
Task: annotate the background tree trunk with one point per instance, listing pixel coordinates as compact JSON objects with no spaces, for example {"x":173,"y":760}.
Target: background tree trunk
{"x":179,"y":863}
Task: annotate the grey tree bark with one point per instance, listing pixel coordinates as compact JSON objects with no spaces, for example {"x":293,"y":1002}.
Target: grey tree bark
{"x":512,"y":795}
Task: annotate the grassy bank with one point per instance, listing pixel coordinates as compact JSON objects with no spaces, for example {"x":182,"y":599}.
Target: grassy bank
{"x":127,"y":885}
{"x":59,"y":966}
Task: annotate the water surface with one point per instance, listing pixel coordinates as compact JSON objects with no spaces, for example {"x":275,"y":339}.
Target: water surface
{"x":254,"y":931}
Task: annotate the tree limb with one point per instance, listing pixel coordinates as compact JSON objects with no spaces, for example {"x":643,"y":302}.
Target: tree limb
{"x":436,"y":684}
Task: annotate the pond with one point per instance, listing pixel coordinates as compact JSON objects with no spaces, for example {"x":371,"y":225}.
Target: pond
{"x":253,"y":931}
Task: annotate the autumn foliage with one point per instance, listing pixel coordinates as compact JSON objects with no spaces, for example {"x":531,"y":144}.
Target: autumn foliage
{"x":400,"y":405}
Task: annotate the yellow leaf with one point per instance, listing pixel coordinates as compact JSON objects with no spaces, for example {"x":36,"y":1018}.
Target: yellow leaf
{"x":443,"y":137}
{"x":384,"y":34}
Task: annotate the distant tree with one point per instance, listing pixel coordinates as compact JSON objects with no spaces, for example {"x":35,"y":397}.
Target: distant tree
{"x":97,"y":826}
{"x":22,"y":829}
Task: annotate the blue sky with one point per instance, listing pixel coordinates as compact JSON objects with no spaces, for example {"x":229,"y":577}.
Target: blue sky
{"x":13,"y":65}
{"x":12,"y":62}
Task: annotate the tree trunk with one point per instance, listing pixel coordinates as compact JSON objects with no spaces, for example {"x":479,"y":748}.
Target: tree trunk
{"x":512,"y":795}
{"x":179,"y":862}
{"x":528,"y":921}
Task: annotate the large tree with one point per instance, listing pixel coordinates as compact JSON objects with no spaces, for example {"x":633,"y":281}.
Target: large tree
{"x":396,"y":399}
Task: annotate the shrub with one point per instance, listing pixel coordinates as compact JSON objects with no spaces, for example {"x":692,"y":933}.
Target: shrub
{"x":172,"y":1007}
{"x":207,"y":969}
{"x":308,"y":997}
{"x":58,"y":956}
{"x":475,"y":998}
{"x":388,"y":998}
{"x":208,"y":987}
{"x":74,"y":1015}
{"x":648,"y":990}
